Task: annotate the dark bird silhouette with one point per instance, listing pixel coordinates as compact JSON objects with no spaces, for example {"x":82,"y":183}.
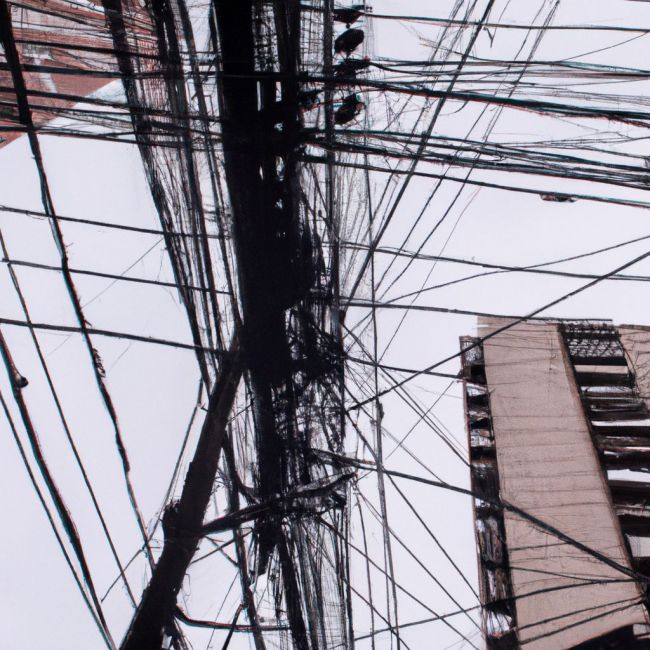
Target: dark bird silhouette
{"x":348,"y":15}
{"x":349,"y":109}
{"x":348,"y":41}
{"x":350,"y":67}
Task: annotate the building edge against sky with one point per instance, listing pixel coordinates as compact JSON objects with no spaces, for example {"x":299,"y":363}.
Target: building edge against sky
{"x":559,"y":437}
{"x":66,"y":54}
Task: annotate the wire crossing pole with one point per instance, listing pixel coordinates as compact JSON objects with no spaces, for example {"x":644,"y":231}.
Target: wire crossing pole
{"x":182,"y":522}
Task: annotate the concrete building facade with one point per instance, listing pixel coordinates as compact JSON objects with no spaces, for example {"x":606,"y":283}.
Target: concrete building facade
{"x":559,"y":437}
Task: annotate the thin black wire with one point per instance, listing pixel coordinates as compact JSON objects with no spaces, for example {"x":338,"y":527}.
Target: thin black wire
{"x":100,"y":626}
{"x":514,"y":322}
{"x":551,"y":530}
{"x":65,"y":425}
{"x":20,"y":90}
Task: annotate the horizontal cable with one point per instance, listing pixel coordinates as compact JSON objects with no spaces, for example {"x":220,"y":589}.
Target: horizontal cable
{"x":112,"y":334}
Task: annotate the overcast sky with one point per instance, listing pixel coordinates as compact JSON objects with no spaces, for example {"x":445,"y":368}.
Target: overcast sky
{"x":155,"y":388}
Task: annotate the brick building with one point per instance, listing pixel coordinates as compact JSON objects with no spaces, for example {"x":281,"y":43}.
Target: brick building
{"x":66,"y":53}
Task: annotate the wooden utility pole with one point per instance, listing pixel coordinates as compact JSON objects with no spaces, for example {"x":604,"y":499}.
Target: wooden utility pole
{"x":183,"y":520}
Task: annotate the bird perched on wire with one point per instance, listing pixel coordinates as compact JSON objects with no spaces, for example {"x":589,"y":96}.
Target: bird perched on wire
{"x":348,"y":41}
{"x":350,"y":67}
{"x":348,"y":15}
{"x":349,"y":109}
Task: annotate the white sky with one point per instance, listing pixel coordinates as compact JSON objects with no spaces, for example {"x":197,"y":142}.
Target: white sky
{"x":154,"y":388}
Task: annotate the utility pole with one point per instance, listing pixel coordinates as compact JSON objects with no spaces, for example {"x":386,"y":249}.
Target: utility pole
{"x":183,"y":520}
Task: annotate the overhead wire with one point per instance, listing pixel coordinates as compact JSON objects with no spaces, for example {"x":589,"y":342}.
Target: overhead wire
{"x":520,"y":319}
{"x":95,"y":615}
{"x":396,"y":150}
{"x":20,"y":90}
